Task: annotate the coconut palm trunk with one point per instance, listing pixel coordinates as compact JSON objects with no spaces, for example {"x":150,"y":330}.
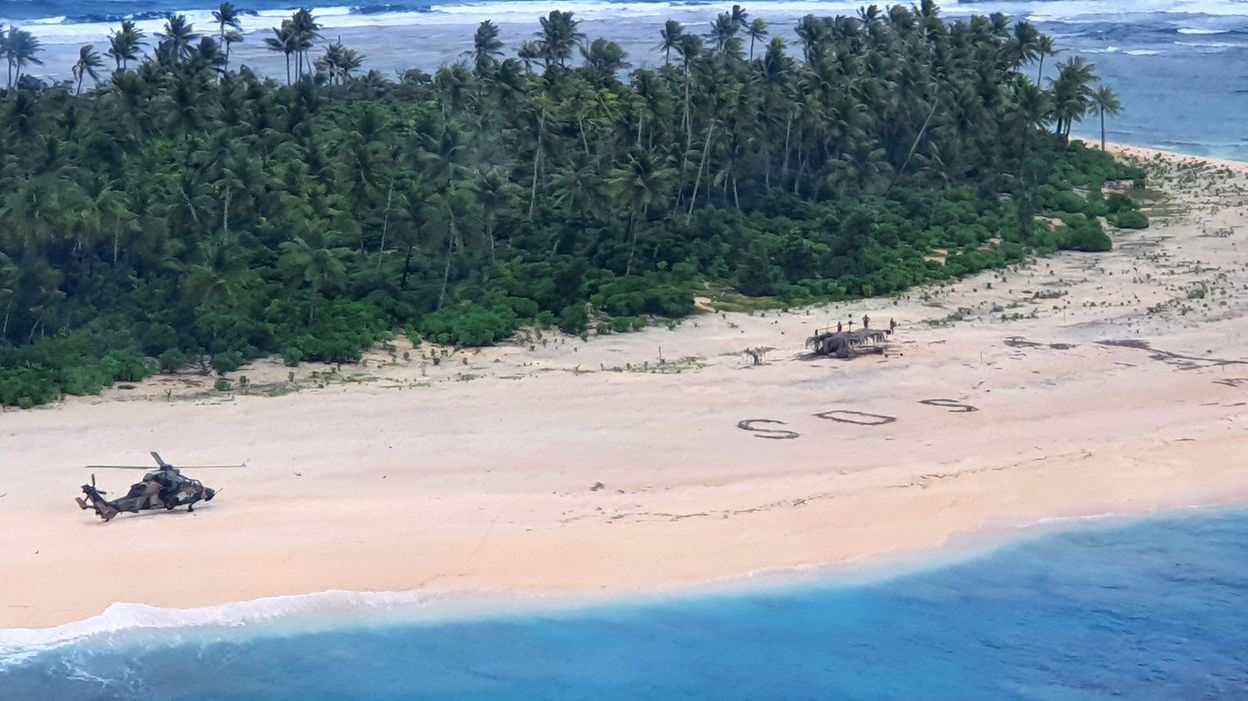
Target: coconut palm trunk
{"x":537,"y":159}
{"x":446,"y":271}
{"x":697,"y":180}
{"x":385,"y":224}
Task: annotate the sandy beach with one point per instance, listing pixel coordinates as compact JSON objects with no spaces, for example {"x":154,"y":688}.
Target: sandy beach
{"x":1081,"y":384}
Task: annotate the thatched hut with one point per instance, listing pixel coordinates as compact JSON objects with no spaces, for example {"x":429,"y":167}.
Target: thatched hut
{"x":847,"y":344}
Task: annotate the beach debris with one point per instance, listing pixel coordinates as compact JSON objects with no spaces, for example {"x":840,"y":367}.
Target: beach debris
{"x":758,"y":354}
{"x":1020,"y":342}
{"x":598,"y":486}
{"x":1183,"y":362}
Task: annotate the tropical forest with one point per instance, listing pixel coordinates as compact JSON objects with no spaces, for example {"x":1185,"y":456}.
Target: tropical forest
{"x":167,"y":209}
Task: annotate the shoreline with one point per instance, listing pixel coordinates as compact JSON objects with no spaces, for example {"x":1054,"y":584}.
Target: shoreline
{"x":481,"y":492}
{"x":330,"y":610}
{"x":1149,"y":152}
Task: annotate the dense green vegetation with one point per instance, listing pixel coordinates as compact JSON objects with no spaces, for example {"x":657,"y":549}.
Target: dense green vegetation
{"x":182,"y":210}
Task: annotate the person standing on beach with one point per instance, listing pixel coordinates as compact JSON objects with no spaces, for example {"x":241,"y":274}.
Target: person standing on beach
{"x":866,"y":322}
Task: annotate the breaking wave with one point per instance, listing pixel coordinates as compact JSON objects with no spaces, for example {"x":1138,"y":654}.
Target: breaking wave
{"x":18,"y":645}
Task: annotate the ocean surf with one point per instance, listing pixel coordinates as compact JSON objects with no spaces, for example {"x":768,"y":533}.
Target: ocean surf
{"x":1141,"y":608}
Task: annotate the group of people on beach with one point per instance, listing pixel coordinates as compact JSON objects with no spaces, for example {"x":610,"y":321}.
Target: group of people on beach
{"x":866,"y":324}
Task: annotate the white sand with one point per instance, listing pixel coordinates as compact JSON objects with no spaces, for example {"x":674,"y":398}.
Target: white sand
{"x":480,"y":475}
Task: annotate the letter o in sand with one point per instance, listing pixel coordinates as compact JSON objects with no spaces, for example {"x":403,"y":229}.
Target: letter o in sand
{"x":777,"y":434}
{"x":861,"y":418}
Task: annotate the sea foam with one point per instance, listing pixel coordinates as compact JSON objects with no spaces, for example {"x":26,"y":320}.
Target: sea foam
{"x":305,"y":613}
{"x":91,"y":24}
{"x":1150,"y":610}
{"x":20,"y":644}
{"x":1195,"y":30}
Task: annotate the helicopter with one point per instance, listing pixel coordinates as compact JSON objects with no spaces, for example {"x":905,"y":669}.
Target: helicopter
{"x":163,"y":488}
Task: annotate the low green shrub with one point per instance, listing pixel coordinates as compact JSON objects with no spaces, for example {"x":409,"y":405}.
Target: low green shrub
{"x":1078,"y":233}
{"x":1131,"y":219}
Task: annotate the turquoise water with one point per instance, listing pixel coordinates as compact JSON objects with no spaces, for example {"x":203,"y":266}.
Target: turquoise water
{"x":1152,"y":609}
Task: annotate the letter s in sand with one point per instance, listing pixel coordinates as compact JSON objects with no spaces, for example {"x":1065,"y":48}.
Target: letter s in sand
{"x":778,"y":434}
{"x":952,"y":405}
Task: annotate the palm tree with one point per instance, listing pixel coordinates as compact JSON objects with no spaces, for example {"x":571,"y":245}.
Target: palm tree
{"x":870,"y":16}
{"x":229,"y":40}
{"x":1031,"y":107}
{"x":496,"y":194}
{"x":455,"y":221}
{"x":1023,"y":45}
{"x":723,"y":29}
{"x":1105,"y":101}
{"x":690,"y":48}
{"x":8,"y":292}
{"x":1072,"y":92}
{"x":530,"y":52}
{"x":221,"y":277}
{"x":18,"y":47}
{"x":88,"y":64}
{"x":123,"y":44}
{"x":810,"y":32}
{"x":206,"y":55}
{"x":312,"y":263}
{"x":671,"y":33}
{"x":485,"y":45}
{"x":576,"y":187}
{"x":350,"y":60}
{"x":606,"y":58}
{"x":758,"y":31}
{"x":338,"y":61}
{"x":559,"y":36}
{"x":175,"y":43}
{"x":227,"y":16}
{"x":1043,"y":47}
{"x":641,"y":182}
{"x":283,"y":41}
{"x":305,"y":32}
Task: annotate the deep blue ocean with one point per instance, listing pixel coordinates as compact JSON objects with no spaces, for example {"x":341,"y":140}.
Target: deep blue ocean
{"x":1112,"y":609}
{"x":1180,"y":66}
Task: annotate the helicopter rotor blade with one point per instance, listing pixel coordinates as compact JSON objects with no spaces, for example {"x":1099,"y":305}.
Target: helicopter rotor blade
{"x":151,"y":469}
